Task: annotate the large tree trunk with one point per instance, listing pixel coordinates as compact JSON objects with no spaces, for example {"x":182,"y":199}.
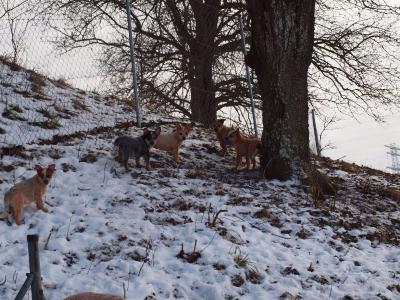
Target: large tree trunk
{"x":282,"y":34}
{"x":203,"y":104}
{"x":202,"y":55}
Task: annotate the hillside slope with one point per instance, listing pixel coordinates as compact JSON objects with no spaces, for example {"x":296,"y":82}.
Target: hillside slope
{"x":36,"y":108}
{"x":243,"y":237}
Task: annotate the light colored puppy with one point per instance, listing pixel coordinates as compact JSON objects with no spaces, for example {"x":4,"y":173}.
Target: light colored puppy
{"x":171,"y":141}
{"x":26,"y":192}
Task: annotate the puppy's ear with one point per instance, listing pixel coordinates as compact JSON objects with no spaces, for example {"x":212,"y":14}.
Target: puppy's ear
{"x":237,"y":131}
{"x":51,"y":168}
{"x":39,"y":168}
{"x":221,"y":121}
{"x":145,"y":130}
{"x":158,"y":130}
{"x":178,"y":126}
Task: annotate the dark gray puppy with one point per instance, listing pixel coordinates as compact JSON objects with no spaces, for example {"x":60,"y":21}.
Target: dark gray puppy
{"x":129,"y":147}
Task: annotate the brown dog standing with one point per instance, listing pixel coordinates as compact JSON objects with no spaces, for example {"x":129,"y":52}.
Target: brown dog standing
{"x":27,"y":191}
{"x":221,"y":130}
{"x":245,"y":147}
{"x":171,"y":142}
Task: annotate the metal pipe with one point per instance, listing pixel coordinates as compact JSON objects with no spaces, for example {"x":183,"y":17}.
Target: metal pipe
{"x":317,"y":144}
{"x":25,"y":287}
{"x":253,"y":110}
{"x":133,"y":65}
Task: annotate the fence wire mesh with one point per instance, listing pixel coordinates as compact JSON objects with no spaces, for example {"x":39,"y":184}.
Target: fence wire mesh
{"x":47,"y":93}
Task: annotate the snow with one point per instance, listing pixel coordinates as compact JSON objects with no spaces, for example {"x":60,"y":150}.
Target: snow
{"x":111,"y":228}
{"x":108,"y":214}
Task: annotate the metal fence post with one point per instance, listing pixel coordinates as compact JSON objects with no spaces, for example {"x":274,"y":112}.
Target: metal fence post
{"x":25,"y":287}
{"x":133,"y":65}
{"x":34,"y":267}
{"x":248,"y":77}
{"x":317,"y":144}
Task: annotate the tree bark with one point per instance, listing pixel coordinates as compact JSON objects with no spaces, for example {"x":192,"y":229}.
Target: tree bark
{"x":282,"y":35}
{"x":203,"y":102}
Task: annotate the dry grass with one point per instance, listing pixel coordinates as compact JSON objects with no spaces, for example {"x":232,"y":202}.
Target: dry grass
{"x":319,"y":184}
{"x":219,"y":266}
{"x":12,"y":112}
{"x":45,"y":112}
{"x":196,"y":173}
{"x":50,"y":123}
{"x":263,"y":213}
{"x":289,"y":271}
{"x":78,"y":104}
{"x":303,"y":233}
{"x":6,"y":60}
{"x":61,"y":83}
{"x":254,"y":276}
{"x":65,"y":111}
{"x":17,"y":151}
{"x":394,"y":288}
{"x":237,"y":280}
{"x":242,"y":261}
{"x":38,"y":82}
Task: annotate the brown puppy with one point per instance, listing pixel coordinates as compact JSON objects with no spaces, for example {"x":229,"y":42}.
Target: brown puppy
{"x":171,"y":142}
{"x":27,"y":191}
{"x":221,"y":130}
{"x":245,"y":147}
{"x":93,"y":296}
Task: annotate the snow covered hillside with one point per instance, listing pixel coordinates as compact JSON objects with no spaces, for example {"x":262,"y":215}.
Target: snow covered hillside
{"x":243,"y":237}
{"x":35,"y":108}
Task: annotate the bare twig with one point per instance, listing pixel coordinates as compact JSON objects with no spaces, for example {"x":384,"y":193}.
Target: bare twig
{"x":216,"y":216}
{"x":46,"y":245}
{"x":195,"y":244}
{"x":69,"y":225}
{"x":125,"y":289}
{"x":104,"y":171}
{"x":15,"y":276}
{"x":209,"y":243}
{"x":141,"y":267}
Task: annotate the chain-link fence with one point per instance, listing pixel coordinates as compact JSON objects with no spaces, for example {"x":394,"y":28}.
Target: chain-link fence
{"x":45,"y":92}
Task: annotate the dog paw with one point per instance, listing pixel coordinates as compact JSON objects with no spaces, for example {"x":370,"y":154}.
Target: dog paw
{"x":45,"y":209}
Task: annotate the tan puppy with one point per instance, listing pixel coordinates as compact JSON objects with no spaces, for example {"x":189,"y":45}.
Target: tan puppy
{"x":171,"y":142}
{"x":221,"y":130}
{"x":94,"y":296}
{"x":245,"y":147}
{"x":27,"y":191}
